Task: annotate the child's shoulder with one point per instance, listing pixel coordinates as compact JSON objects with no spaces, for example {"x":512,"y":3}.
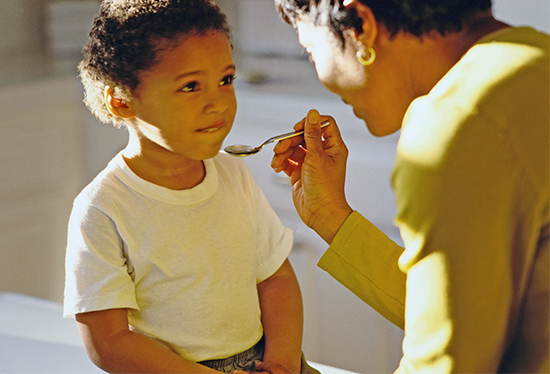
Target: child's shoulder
{"x":104,"y":186}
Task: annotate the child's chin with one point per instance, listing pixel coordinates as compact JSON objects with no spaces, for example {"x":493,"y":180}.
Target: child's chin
{"x":210,"y":154}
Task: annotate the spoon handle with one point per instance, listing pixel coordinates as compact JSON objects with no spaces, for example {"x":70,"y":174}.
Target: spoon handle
{"x":291,"y":134}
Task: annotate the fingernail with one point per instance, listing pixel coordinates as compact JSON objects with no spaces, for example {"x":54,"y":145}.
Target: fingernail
{"x":314,"y":117}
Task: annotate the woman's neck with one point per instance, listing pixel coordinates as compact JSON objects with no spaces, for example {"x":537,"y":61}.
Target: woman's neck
{"x":441,"y":52}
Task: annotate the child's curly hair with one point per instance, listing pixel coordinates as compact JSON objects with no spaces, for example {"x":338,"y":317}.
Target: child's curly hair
{"x":416,"y":17}
{"x":123,"y":43}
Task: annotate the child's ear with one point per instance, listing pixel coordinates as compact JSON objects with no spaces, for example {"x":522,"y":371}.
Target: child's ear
{"x":117,"y":106}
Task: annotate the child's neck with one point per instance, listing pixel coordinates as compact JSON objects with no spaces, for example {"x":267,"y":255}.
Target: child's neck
{"x":163,"y":167}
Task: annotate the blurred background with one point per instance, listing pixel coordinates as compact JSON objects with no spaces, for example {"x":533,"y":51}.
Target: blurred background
{"x":51,"y":147}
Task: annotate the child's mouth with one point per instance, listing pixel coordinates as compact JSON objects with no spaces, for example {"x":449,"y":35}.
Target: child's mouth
{"x":213,"y":129}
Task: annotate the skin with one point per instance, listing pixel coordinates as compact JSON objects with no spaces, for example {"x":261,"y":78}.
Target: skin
{"x":179,"y":115}
{"x":405,"y":68}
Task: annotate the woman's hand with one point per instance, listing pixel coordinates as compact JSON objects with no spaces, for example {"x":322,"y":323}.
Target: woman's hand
{"x":316,"y":166}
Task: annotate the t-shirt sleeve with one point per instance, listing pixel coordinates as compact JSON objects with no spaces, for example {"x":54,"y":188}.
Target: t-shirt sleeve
{"x":274,"y":241}
{"x":97,"y":274}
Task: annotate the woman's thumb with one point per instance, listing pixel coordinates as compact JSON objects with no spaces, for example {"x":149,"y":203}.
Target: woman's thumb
{"x":313,"y":132}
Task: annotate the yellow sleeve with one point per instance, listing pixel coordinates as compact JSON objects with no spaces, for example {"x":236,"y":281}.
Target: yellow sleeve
{"x":364,"y":260}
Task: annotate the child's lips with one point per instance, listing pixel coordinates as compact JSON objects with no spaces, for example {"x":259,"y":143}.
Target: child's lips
{"x":211,"y":129}
{"x":215,"y":127}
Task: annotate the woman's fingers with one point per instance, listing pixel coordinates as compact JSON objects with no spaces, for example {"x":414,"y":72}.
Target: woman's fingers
{"x":288,"y":153}
{"x":318,"y":190}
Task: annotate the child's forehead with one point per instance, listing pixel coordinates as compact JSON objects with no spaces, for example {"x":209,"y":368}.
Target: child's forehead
{"x":189,"y":51}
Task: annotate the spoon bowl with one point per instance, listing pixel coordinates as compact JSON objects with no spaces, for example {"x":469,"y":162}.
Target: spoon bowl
{"x":241,"y":150}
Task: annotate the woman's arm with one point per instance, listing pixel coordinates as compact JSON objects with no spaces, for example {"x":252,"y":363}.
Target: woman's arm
{"x":114,"y":348}
{"x":282,"y":318}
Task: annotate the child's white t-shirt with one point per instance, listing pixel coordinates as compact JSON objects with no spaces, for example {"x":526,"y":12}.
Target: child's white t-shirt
{"x":185,"y":263}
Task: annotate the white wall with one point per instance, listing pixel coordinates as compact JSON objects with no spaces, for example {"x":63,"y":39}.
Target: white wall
{"x":535,"y":13}
{"x":23,"y":40}
{"x":40,"y":174}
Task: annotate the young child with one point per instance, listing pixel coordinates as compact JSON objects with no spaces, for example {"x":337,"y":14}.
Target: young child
{"x":175,"y":261}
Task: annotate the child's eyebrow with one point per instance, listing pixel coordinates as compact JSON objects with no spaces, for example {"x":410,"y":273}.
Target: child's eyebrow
{"x":198,"y":72}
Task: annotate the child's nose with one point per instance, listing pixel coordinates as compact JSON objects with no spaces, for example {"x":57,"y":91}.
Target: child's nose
{"x":217,"y":101}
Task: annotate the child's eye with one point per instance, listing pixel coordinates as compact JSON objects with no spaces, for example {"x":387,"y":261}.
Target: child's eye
{"x":190,"y":87}
{"x":228,"y":79}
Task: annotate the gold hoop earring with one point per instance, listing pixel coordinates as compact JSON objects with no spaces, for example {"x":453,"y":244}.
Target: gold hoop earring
{"x":364,"y":59}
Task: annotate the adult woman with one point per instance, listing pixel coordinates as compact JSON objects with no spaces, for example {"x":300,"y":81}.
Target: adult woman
{"x":470,"y":95}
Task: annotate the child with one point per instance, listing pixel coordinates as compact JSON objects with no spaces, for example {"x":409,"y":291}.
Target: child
{"x":175,"y":261}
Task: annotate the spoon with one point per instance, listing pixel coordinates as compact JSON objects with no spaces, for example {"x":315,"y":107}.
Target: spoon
{"x":248,"y":150}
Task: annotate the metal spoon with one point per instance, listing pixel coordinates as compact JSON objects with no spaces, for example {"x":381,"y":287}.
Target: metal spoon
{"x":248,"y":150}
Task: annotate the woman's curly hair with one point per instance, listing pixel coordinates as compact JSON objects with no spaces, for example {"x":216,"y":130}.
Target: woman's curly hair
{"x":123,"y":43}
{"x":416,"y":17}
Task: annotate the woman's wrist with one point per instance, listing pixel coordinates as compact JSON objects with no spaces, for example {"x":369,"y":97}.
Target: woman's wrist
{"x":328,"y":225}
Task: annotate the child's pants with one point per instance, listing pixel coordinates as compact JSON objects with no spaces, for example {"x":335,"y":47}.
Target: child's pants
{"x":248,"y":360}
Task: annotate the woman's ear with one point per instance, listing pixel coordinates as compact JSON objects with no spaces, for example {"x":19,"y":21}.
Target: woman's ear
{"x":368,"y":22}
{"x":117,"y":106}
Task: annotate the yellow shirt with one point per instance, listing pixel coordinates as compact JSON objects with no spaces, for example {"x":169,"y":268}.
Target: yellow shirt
{"x":472,"y":287}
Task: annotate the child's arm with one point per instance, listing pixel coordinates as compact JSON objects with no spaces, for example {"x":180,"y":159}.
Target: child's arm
{"x":282,"y":318}
{"x":114,"y":348}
